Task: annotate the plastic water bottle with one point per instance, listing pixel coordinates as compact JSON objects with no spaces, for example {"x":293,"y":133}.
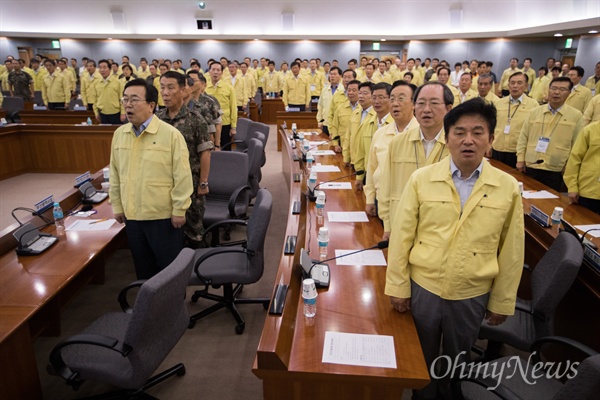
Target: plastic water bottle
{"x":89,"y":121}
{"x":312,"y":180}
{"x":59,"y":219}
{"x":309,"y":297}
{"x":320,"y":204}
{"x":309,"y":160}
{"x":323,"y":239}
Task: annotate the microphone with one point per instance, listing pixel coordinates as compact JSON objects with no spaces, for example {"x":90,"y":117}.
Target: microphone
{"x":319,"y":271}
{"x":311,"y":193}
{"x":305,"y":152}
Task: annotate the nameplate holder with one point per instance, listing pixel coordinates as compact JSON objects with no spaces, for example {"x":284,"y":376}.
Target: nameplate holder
{"x":77,"y":107}
{"x":39,"y":108}
{"x":540,"y":217}
{"x":591,"y":256}
{"x":293,"y":109}
{"x":296,"y":208}
{"x":81,"y":179}
{"x":297,"y":177}
{"x":278,"y":299}
{"x":43,"y":205}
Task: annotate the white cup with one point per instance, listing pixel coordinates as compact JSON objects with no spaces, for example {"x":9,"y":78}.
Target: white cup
{"x":105,"y":186}
{"x":309,"y":290}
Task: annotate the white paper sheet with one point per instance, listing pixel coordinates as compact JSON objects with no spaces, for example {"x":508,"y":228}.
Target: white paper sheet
{"x":347,"y":216}
{"x":538,"y":194}
{"x":585,"y":228}
{"x":336,"y":185}
{"x":317,"y":143}
{"x":91,"y":225}
{"x":325,"y":168}
{"x":322,"y":152}
{"x":367,"y":257}
{"x":359,"y":349}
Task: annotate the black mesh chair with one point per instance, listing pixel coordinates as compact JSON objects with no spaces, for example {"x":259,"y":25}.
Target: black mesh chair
{"x":550,"y":280}
{"x":515,"y":379}
{"x":124,"y":349}
{"x":235,"y":266}
{"x":12,"y":106}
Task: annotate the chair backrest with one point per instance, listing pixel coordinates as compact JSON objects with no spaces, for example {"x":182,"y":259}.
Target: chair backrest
{"x":159,"y":317}
{"x":38,"y":99}
{"x":243,"y":125}
{"x":552,"y":277}
{"x":585,"y":385}
{"x":262,"y":128}
{"x":78,"y":103}
{"x":257,"y":231}
{"x":13,"y":104}
{"x":255,"y":152}
{"x":228,"y":172}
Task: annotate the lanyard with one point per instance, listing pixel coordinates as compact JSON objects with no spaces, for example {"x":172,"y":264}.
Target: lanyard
{"x":553,"y":129}
{"x":417,"y":154}
{"x":510,"y":117}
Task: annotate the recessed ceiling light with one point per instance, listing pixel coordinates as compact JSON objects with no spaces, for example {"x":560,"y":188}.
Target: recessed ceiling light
{"x":109,"y":38}
{"x":255,"y":39}
{"x":383,"y":40}
{"x":158,"y":38}
{"x":557,"y":34}
{"x":593,"y":31}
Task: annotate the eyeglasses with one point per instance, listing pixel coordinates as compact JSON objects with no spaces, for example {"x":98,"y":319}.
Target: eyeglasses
{"x":559,"y":89}
{"x":432,"y":103}
{"x":133,"y":101}
{"x":380,"y":98}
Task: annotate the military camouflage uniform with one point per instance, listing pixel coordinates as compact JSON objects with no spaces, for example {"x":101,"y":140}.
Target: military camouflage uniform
{"x":210,"y":109}
{"x":194,"y":129}
{"x":20,"y":82}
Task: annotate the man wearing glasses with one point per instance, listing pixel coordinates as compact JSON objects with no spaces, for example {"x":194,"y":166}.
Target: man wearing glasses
{"x":548,"y":135}
{"x":151,"y":181}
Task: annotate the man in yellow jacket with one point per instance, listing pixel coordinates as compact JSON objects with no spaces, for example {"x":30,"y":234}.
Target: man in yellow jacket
{"x":582,"y":173}
{"x":296,"y":90}
{"x":339,"y":122}
{"x":107,"y":107}
{"x":56,"y":91}
{"x":593,"y":82}
{"x":457,"y":246}
{"x":580,"y":96}
{"x":88,"y":83}
{"x":150,"y":181}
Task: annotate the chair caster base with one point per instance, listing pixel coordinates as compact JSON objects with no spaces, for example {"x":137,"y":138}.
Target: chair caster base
{"x":239,"y":328}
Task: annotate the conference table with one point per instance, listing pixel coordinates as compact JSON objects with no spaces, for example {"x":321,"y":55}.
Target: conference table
{"x":289,"y":355}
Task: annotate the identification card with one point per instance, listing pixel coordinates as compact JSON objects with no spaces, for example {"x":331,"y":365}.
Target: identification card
{"x":313,"y":88}
{"x":507,"y":129}
{"x":542,"y":145}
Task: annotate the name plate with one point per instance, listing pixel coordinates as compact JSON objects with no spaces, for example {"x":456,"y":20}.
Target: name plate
{"x":591,"y":256}
{"x":293,"y":109}
{"x":44,"y":205}
{"x":540,"y":217}
{"x":83,"y":178}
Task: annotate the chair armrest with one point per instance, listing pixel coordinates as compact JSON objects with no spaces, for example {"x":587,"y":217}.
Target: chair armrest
{"x":234,"y":199}
{"x":231,"y":144}
{"x":560,"y":340}
{"x":527,"y":308}
{"x":214,"y":252}
{"x":123,"y":295}
{"x":58,"y":364}
{"x":527,"y":267}
{"x":501,"y":391}
{"x":225,"y":222}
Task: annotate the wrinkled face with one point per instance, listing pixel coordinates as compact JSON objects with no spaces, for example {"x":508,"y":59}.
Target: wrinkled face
{"x":352,"y":93}
{"x":364,"y":97}
{"x":430,"y":108}
{"x":136,"y":108}
{"x":468,"y":140}
{"x":484,"y":86}
{"x":517,"y":86}
{"x":401,"y":104}
{"x":215,"y":72}
{"x":170,"y":91}
{"x":381,"y":101}
{"x":465,"y":82}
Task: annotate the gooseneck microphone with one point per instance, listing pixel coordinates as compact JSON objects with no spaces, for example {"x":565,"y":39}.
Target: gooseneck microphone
{"x":311,"y":193}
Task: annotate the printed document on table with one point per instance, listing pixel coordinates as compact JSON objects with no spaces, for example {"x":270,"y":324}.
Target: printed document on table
{"x":347,"y":216}
{"x":538,"y":194}
{"x":325,"y":168}
{"x":336,"y":185}
{"x":359,"y":349}
{"x":585,"y":228}
{"x":322,"y":152}
{"x":367,"y":257}
{"x":317,"y":143}
{"x":91,"y":225}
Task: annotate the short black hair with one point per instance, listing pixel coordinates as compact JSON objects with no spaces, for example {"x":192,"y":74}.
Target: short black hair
{"x":200,"y":76}
{"x":545,"y":69}
{"x":338,"y":69}
{"x":216,"y":63}
{"x":104,"y":61}
{"x":448,"y":95}
{"x":519,"y":73}
{"x":476,"y":106}
{"x":350,"y":70}
{"x":295,"y":64}
{"x":354,"y":82}
{"x":383,"y":86}
{"x":175,"y":75}
{"x":562,"y":79}
{"x":367,"y":85}
{"x":412,"y":87}
{"x":580,"y":70}
{"x":151,"y":92}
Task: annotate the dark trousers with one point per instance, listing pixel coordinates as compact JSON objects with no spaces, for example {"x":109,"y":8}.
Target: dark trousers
{"x":551,"y":179}
{"x":154,"y":245}
{"x":225,"y":137}
{"x":505,"y":157}
{"x":90,"y":107}
{"x":56,"y":106}
{"x":114,"y":119}
{"x":453,"y":323}
{"x":301,"y":107}
{"x":325,"y":130}
{"x":591,"y":204}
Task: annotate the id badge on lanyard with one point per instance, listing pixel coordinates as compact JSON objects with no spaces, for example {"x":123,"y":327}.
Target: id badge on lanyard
{"x":542,"y":145}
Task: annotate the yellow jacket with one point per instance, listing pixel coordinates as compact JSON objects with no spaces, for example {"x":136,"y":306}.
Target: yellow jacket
{"x":296,"y":91}
{"x":108,"y":96}
{"x":378,"y":154}
{"x":355,"y":136}
{"x":405,"y":155}
{"x":69,"y":77}
{"x":562,"y":129}
{"x":88,"y":91}
{"x":579,"y":98}
{"x":316,"y":82}
{"x":338,"y":98}
{"x":156,"y":84}
{"x":260,"y":72}
{"x":143,"y":74}
{"x":504,"y":78}
{"x":56,"y":89}
{"x":250,"y":84}
{"x":369,"y":126}
{"x":539,"y":89}
{"x":150,"y":176}
{"x":507,"y":142}
{"x":226,"y":96}
{"x":38,"y":78}
{"x":458,"y":255}
{"x":491,"y":97}
{"x":591,"y":84}
{"x":340,"y":126}
{"x":240,"y":89}
{"x":530,"y":76}
{"x":582,"y":173}
{"x":273,"y":82}
{"x":471,"y":94}
{"x":456,"y":94}
{"x":324,"y":104}
{"x":385,"y":77}
{"x":592,"y":112}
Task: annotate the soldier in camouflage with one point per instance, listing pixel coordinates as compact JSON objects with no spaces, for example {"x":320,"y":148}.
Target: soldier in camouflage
{"x":208,"y":105}
{"x":20,"y":82}
{"x":194,"y":129}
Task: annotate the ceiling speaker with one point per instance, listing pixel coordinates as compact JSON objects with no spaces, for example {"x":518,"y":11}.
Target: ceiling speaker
{"x":287,"y":22}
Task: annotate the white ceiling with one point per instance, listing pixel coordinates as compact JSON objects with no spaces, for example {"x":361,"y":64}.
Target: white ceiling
{"x":312,"y":19}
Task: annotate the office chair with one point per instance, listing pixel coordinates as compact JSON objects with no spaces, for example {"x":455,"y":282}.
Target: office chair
{"x":241,"y":131}
{"x":12,"y":106}
{"x":236,"y":265}
{"x":228,"y":195}
{"x":255,"y":152}
{"x":585,"y":385}
{"x":550,"y":280}
{"x":124,"y":349}
{"x":38,"y":99}
{"x":264,"y":129}
{"x":77,"y":103}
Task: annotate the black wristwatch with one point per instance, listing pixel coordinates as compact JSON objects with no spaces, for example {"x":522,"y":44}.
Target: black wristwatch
{"x":203,"y":185}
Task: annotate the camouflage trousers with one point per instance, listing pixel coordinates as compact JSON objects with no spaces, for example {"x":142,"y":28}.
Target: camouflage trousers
{"x":193,"y":228}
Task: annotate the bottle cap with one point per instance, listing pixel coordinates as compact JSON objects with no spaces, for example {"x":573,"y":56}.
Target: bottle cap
{"x":56,"y":204}
{"x":323,"y":234}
